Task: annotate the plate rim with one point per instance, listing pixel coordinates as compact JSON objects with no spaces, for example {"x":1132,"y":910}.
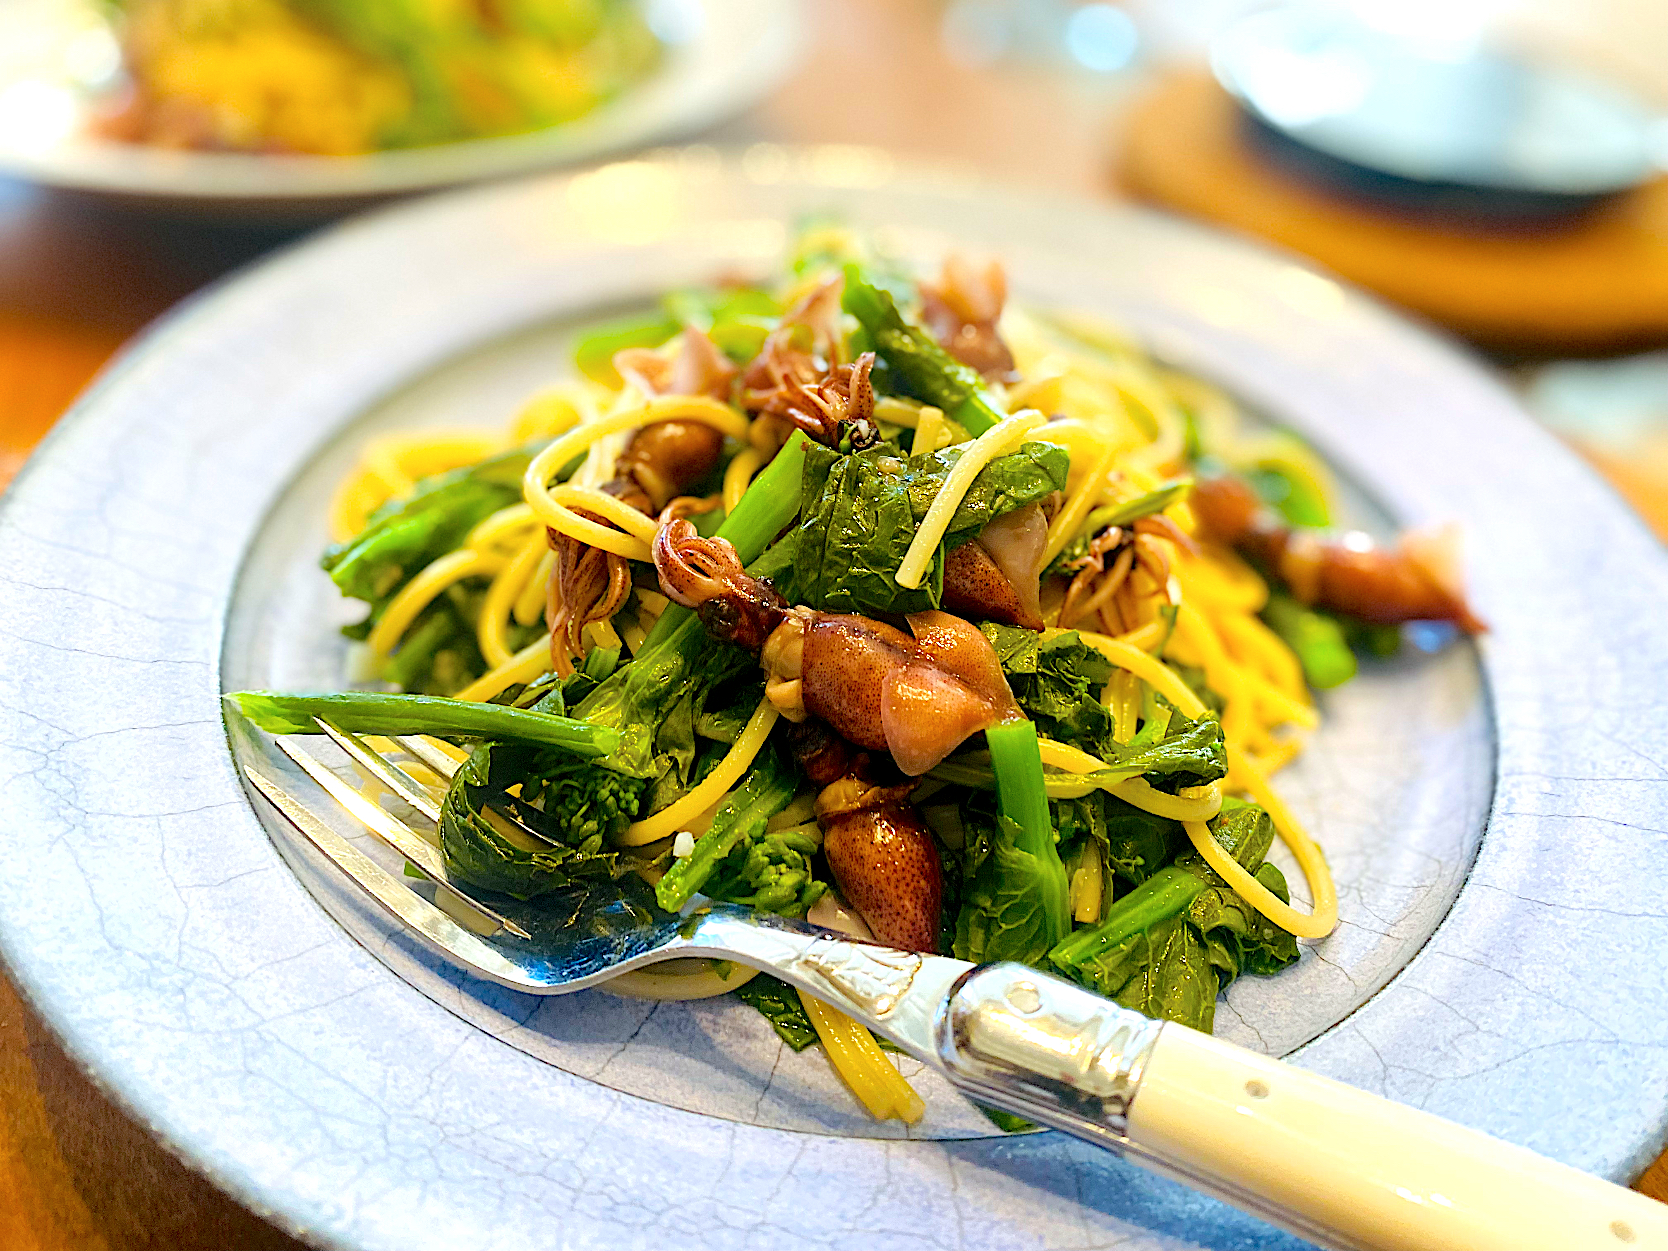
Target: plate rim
{"x":179,"y":326}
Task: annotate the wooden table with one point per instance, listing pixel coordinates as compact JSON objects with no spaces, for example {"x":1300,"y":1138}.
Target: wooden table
{"x":77,"y":280}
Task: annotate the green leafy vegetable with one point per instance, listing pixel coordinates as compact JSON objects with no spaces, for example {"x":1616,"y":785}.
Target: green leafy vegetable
{"x":1134,"y":844}
{"x":1057,"y":681}
{"x":1291,"y":491}
{"x":594,"y":352}
{"x":861,"y":511}
{"x":441,"y":653}
{"x":404,"y":536}
{"x":737,"y":319}
{"x":565,"y":809}
{"x":774,"y":875}
{"x":485,"y":848}
{"x":648,"y":709}
{"x":781,"y":1006}
{"x":1171,"y":945}
{"x":918,"y":365}
{"x":1138,"y":843}
{"x":738,"y":824}
{"x":1007,"y":1122}
{"x":1370,"y":638}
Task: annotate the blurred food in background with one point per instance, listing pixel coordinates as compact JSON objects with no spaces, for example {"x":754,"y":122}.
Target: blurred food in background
{"x":1494,"y":166}
{"x":343,"y":77}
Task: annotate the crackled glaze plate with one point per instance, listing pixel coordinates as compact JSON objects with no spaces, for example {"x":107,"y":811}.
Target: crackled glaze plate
{"x":57,"y":56}
{"x":1494,"y":814}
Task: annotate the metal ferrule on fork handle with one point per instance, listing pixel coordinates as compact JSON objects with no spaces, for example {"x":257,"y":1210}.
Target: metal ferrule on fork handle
{"x":1014,"y":1036}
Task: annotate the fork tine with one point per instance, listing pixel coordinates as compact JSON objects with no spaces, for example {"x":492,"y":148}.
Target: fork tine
{"x":437,"y":930}
{"x":398,"y":835}
{"x":394,"y":778}
{"x":404,"y":785}
{"x":425,"y":749}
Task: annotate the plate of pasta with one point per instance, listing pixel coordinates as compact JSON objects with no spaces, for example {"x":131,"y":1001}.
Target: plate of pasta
{"x":304,"y":106}
{"x":949,"y":566}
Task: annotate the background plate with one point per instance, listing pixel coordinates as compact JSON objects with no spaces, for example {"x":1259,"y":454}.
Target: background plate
{"x":720,"y":56}
{"x":153,"y":922}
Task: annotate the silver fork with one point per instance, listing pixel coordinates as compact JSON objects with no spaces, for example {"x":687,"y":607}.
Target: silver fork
{"x":1326,"y":1161}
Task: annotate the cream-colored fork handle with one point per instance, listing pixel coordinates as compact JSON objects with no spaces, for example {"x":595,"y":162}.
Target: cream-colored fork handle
{"x":1374,"y":1173}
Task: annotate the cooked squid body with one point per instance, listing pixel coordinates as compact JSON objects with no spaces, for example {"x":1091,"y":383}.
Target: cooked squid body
{"x":998,"y":576}
{"x":884,"y":860}
{"x":696,"y":367}
{"x":669,"y":457}
{"x":916,"y":697}
{"x":1416,"y":580}
{"x":962,"y":309}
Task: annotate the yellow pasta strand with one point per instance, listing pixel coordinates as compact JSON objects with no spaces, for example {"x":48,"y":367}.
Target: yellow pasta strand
{"x":532,"y":661}
{"x":728,"y":772}
{"x":1146,"y":637}
{"x":1154,"y":672}
{"x":1250,"y":637}
{"x":862,"y":1065}
{"x":1125,"y":689}
{"x":535,"y":483}
{"x":1265,"y":901}
{"x":1223,"y":581}
{"x":530,"y":604}
{"x":427,"y":452}
{"x":1086,"y":885}
{"x":503,"y":527}
{"x":564,"y":520}
{"x":1323,"y":918}
{"x":610,"y":507}
{"x":898,"y":412}
{"x":390,"y":467}
{"x":547,"y":415}
{"x":1277,"y":757}
{"x":1064,"y":526}
{"x":500,"y":600}
{"x":1197,"y":804}
{"x":739,"y":473}
{"x":681,"y":980}
{"x":932,"y":432}
{"x":999,"y":440}
{"x":417,"y":594}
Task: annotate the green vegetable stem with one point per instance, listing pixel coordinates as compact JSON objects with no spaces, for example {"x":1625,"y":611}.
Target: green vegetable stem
{"x":1317,"y":638}
{"x":1169,"y":947}
{"x":768,"y":788}
{"x":373,"y":712}
{"x":1017,"y":761}
{"x":770,"y":503}
{"x":924,"y":370}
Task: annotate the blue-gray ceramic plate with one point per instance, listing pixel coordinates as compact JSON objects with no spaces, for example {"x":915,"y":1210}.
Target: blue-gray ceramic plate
{"x":1494,"y":813}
